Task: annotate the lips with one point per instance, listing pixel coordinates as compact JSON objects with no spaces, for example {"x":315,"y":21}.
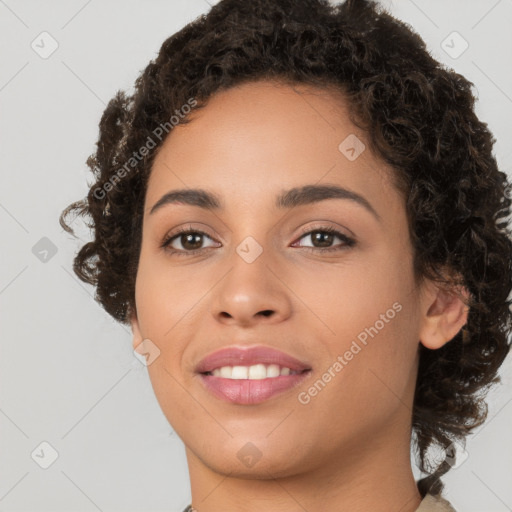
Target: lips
{"x":247,"y":356}
{"x":251,"y":392}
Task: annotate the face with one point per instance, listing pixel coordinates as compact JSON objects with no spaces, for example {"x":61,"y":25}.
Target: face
{"x":325,"y":277}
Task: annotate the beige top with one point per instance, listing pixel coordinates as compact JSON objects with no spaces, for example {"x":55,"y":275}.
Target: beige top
{"x":431,"y":503}
{"x":428,"y":504}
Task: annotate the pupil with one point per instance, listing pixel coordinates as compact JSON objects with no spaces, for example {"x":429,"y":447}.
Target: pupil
{"x":190,"y":237}
{"x":320,"y":236}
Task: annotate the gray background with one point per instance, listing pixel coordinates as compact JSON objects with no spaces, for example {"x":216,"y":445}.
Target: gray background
{"x":67,"y":372}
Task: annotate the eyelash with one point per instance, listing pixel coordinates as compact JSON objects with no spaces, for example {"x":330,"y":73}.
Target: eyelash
{"x":348,"y":242}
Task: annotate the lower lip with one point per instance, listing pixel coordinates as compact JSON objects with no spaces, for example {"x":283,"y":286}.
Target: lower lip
{"x":251,"y":391}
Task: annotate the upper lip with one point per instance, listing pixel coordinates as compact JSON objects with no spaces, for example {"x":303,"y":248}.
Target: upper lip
{"x":247,"y":356}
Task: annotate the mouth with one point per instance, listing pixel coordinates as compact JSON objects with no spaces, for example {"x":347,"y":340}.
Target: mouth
{"x":250,"y":375}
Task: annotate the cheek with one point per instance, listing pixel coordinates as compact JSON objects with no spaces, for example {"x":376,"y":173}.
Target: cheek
{"x":163,"y":300}
{"x":351,"y":296}
{"x":164,"y":295}
{"x":368,"y":318}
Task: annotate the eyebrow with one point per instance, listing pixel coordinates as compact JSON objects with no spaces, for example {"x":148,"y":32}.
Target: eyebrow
{"x":298,"y":196}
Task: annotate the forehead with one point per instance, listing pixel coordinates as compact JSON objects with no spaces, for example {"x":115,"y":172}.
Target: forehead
{"x":262,"y":137}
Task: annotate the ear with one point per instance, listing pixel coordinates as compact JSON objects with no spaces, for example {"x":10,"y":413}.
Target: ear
{"x":137,"y":336}
{"x":444,"y":313}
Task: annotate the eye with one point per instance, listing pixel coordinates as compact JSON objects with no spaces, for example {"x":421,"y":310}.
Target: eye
{"x":188,"y":238}
{"x":324,"y":236}
{"x":191,"y":240}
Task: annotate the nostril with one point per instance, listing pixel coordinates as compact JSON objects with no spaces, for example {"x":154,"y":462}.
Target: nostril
{"x":267,"y":312}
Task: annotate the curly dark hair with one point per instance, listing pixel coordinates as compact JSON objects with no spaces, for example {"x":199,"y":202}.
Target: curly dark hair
{"x":419,"y":118}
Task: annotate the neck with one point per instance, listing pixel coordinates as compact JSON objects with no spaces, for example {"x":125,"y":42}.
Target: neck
{"x":376,"y":475}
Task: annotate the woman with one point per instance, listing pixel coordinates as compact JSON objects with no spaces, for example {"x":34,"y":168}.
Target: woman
{"x":299,"y":215}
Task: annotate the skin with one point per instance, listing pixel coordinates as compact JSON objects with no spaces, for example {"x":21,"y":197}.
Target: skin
{"x":349,"y":447}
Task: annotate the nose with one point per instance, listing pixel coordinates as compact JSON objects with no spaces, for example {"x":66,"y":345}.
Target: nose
{"x":251,"y":293}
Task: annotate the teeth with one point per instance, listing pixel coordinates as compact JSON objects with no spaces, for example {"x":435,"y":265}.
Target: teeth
{"x":239,"y":372}
{"x":225,"y":371}
{"x":257,"y":371}
{"x":273,"y":370}
{"x":254,"y":372}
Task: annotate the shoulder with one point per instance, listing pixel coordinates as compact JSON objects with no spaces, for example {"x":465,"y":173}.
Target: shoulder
{"x":431,"y":503}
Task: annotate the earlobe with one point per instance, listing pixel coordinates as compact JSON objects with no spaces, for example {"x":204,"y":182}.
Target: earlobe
{"x":444,"y":317}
